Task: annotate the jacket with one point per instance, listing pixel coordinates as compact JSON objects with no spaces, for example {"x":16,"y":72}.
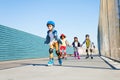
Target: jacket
{"x":54,"y":32}
{"x":74,"y":44}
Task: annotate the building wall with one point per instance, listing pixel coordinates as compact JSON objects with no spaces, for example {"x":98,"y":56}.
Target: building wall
{"x":15,"y":44}
{"x":109,"y":29}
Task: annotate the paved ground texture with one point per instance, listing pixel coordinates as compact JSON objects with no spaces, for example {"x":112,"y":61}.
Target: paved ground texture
{"x":72,"y":69}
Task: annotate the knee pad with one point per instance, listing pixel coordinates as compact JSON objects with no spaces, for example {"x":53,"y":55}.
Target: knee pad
{"x":50,"y":50}
{"x":91,"y":50}
{"x":58,"y":53}
{"x":86,"y":50}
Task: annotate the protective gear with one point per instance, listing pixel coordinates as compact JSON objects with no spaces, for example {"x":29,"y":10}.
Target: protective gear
{"x":51,"y":23}
{"x":60,"y":61}
{"x":62,"y":35}
{"x":50,"y":50}
{"x":51,"y":62}
{"x":58,"y":53}
{"x":86,"y":50}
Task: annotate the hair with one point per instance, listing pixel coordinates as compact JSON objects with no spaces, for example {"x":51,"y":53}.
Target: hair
{"x":62,"y":36}
{"x":87,"y":35}
{"x":75,"y":38}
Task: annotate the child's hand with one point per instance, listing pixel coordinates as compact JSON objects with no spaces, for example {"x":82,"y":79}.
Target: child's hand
{"x":70,"y":45}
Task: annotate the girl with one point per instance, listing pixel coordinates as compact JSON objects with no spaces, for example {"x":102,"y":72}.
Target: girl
{"x":63,"y":46}
{"x":76,"y":45}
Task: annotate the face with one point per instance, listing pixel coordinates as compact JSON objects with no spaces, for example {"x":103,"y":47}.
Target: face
{"x":87,"y":37}
{"x":50,"y":27}
{"x":63,"y":37}
{"x":75,"y":39}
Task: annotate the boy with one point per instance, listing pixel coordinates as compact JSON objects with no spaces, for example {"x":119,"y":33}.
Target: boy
{"x":88,"y":42}
{"x":53,"y":41}
{"x":76,"y":45}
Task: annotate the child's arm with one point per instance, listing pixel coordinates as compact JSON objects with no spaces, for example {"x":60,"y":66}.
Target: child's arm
{"x":67,"y":43}
{"x":47,"y":39}
{"x":56,"y":37}
{"x":73,"y":44}
{"x":83,"y":42}
{"x":79,"y":45}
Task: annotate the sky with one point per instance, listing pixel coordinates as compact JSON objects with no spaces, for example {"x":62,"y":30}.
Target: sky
{"x":74,"y":18}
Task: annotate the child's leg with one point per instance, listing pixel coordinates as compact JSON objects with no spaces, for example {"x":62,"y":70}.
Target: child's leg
{"x":87,"y":56}
{"x":51,"y":51}
{"x":56,"y":45}
{"x":75,"y":52}
{"x":58,"y":53}
{"x":78,"y":55}
{"x":91,"y":51}
{"x":61,"y":50}
{"x":51,"y":61}
{"x":65,"y":54}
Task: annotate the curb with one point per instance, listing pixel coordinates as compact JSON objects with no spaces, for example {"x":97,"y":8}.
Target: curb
{"x":114,"y":65}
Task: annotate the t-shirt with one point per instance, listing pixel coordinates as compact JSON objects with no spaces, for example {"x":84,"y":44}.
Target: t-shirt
{"x":63,"y":42}
{"x":76,"y":44}
{"x":51,"y":37}
{"x":87,"y":43}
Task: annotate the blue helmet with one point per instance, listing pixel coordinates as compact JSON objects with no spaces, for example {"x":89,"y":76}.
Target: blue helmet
{"x":51,"y":22}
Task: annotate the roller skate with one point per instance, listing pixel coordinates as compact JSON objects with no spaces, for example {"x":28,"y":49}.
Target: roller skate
{"x":60,"y":61}
{"x":51,"y":62}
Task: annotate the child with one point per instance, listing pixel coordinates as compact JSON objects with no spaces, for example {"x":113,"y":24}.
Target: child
{"x":52,"y":40}
{"x":88,"y":42}
{"x":92,"y":48}
{"x":63,"y":45}
{"x":76,"y":45}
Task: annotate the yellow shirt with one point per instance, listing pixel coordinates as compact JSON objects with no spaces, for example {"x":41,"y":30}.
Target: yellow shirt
{"x":87,"y":43}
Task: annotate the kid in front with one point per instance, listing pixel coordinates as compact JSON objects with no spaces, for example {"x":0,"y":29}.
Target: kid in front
{"x":53,"y":41}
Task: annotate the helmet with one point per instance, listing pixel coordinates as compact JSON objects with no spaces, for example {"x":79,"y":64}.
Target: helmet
{"x":87,"y":35}
{"x":51,"y":22}
{"x":62,"y":35}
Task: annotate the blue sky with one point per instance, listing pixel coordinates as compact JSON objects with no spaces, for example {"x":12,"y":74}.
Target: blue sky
{"x":72,"y":17}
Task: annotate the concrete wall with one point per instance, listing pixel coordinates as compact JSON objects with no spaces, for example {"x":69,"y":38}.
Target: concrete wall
{"x":15,"y":44}
{"x":109,"y":29}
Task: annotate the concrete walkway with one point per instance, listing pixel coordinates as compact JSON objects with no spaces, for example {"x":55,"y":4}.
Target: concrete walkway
{"x":36,"y":69}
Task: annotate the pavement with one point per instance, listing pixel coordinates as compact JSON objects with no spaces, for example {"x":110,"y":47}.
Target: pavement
{"x":72,"y":69}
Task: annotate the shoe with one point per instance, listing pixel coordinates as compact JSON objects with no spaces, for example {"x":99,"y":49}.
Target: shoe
{"x":78,"y":57}
{"x":50,"y":62}
{"x":60,"y":61}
